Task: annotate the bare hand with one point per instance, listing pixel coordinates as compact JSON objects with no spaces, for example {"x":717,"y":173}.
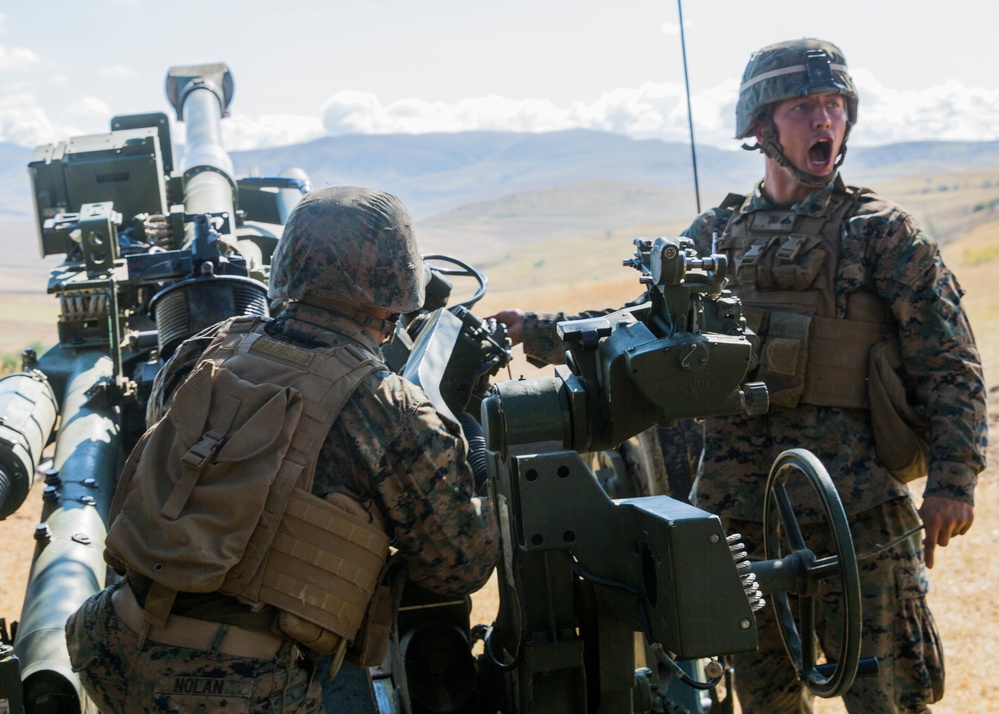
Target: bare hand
{"x":513,"y":318}
{"x":944,"y":518}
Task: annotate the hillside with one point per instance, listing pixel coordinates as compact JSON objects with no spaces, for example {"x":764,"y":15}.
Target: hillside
{"x":435,"y":173}
{"x":529,"y":209}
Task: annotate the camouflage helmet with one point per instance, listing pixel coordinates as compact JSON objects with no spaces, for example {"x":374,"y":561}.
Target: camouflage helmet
{"x":794,"y":68}
{"x":349,"y":245}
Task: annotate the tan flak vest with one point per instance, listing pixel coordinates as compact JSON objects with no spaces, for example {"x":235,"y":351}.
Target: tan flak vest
{"x":216,"y":497}
{"x":783,"y":265}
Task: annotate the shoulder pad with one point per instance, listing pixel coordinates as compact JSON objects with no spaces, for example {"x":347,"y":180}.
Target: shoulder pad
{"x":733,"y":200}
{"x":243,"y":323}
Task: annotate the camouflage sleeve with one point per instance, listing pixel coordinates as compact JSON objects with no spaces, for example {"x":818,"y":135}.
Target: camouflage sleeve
{"x":541,"y":341}
{"x":704,"y":228}
{"x":415,"y":460}
{"x":938,"y":346}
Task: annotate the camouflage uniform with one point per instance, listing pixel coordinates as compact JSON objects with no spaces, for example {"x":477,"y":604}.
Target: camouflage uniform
{"x":119,"y":676}
{"x":884,"y":252}
{"x":884,"y":262}
{"x":389,"y":450}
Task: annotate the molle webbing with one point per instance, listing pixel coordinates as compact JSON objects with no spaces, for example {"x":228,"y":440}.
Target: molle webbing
{"x":785,"y":266}
{"x":324,"y":564}
{"x":325,"y":378}
{"x":838,"y":356}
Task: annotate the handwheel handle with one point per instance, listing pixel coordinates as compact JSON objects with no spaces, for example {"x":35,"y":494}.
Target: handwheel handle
{"x":867,"y":667}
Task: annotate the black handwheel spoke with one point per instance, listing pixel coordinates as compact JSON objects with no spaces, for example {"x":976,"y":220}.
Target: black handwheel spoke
{"x":788,"y":626}
{"x":806,"y":619}
{"x":787,"y":520}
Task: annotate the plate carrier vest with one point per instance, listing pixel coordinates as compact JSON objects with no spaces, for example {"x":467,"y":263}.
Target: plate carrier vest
{"x":216,"y":496}
{"x":784,"y":267}
{"x":784,"y":271}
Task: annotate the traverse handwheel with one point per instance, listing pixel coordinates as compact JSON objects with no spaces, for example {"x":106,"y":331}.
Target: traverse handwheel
{"x":780,"y":528}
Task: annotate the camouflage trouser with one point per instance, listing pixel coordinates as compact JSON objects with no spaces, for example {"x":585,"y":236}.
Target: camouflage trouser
{"x":681,"y":445}
{"x":121,"y":678}
{"x":898,"y":628}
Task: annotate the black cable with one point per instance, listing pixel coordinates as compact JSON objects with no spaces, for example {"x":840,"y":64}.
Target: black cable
{"x":643,"y":613}
{"x":477,"y":457}
{"x":487,"y":635}
{"x":690,"y":112}
{"x":487,"y":647}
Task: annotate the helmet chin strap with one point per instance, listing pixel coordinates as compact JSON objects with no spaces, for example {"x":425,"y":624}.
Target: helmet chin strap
{"x":363,"y":318}
{"x":771,"y":146}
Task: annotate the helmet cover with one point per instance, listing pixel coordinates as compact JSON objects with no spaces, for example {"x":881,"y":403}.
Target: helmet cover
{"x":794,"y":68}
{"x":352,"y":245}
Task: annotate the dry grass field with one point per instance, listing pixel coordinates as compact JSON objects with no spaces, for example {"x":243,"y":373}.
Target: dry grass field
{"x":964,"y":580}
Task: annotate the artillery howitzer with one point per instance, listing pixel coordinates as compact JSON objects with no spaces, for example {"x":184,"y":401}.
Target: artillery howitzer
{"x":154,"y":254}
{"x":581,"y":575}
{"x":155,"y":250}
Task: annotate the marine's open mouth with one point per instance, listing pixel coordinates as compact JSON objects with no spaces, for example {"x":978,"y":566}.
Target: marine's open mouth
{"x":820,"y":153}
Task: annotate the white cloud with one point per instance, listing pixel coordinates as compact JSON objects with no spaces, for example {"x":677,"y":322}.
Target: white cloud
{"x":16,"y":58}
{"x":950,"y":111}
{"x":671,"y":28}
{"x":240,"y":132}
{"x":25,"y":123}
{"x":349,"y":112}
{"x":89,"y":109}
{"x":88,"y":115}
{"x":947,"y":112}
{"x":22,"y":122}
{"x":649,"y":110}
{"x":118,"y":71}
{"x":659,"y":110}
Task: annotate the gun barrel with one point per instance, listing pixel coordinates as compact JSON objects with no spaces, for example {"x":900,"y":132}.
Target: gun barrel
{"x":201,"y":95}
{"x":68,"y":565}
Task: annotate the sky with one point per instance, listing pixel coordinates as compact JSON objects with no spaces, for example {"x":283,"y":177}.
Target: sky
{"x":305,"y":69}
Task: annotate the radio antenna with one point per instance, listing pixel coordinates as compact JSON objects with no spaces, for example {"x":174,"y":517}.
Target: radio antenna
{"x":690,"y":113}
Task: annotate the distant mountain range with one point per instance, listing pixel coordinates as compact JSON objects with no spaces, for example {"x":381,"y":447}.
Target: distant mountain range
{"x":485,"y":196}
{"x":435,"y":173}
{"x":439,"y":172}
